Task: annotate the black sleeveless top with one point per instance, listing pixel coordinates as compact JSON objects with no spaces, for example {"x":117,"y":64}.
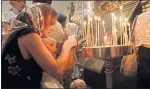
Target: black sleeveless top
{"x":16,"y":71}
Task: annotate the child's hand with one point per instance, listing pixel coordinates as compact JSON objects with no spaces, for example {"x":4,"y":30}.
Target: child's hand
{"x":50,"y":45}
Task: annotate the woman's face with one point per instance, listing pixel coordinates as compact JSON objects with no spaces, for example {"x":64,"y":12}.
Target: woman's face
{"x":48,"y":23}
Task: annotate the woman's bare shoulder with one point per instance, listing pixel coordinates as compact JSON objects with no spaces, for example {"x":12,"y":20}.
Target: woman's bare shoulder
{"x":30,"y":38}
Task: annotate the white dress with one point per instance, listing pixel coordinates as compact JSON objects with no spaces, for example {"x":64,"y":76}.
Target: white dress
{"x":49,"y":82}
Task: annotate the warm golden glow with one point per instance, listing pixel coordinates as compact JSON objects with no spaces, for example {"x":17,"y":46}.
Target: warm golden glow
{"x":98,"y":18}
{"x":128,"y":24}
{"x":105,"y":37}
{"x":91,"y":19}
{"x":95,"y":17}
{"x":84,"y":22}
{"x":115,"y":18}
{"x":89,"y":6}
{"x":125,"y":19}
{"x":112,"y":15}
{"x":121,"y":7}
{"x":103,"y":22}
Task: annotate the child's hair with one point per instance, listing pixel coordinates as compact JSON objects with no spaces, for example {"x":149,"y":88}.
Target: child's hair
{"x":78,"y":83}
{"x":42,"y":1}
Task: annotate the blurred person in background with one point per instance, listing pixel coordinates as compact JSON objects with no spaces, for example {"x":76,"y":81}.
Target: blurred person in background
{"x":17,"y":7}
{"x":141,"y":40}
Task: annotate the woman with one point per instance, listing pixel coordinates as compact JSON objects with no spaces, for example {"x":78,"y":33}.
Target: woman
{"x":24,"y":56}
{"x":141,"y":39}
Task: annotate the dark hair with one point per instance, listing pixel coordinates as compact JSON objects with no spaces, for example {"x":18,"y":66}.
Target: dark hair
{"x":43,"y":1}
{"x":61,"y":18}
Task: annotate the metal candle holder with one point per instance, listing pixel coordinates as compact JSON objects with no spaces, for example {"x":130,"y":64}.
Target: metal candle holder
{"x":108,"y":53}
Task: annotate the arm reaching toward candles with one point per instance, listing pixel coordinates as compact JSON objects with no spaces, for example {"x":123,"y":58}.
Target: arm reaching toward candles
{"x":45,"y":59}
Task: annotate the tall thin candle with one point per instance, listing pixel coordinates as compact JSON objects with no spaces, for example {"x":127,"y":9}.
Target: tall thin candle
{"x":104,"y":26}
{"x":129,"y":33}
{"x":126,"y":36}
{"x":88,"y":26}
{"x":84,"y":31}
{"x":112,"y":28}
{"x":115,"y":31}
{"x":92,"y":33}
{"x":96,"y":30}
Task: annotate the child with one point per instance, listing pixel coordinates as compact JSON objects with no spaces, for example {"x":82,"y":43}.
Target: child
{"x":47,"y":80}
{"x":78,"y":84}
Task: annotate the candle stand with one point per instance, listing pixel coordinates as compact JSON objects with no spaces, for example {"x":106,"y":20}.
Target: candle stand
{"x":108,"y":53}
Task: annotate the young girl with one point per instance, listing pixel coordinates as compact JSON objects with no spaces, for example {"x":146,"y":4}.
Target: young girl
{"x":47,"y":80}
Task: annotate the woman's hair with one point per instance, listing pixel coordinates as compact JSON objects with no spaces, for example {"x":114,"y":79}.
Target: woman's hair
{"x":33,"y":15}
{"x":43,"y":1}
{"x":48,"y":11}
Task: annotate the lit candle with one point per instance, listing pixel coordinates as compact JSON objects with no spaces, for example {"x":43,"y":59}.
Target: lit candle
{"x":84,"y":32}
{"x":115,"y":31}
{"x":120,"y":30}
{"x":96,"y":30}
{"x":105,"y":39}
{"x":88,"y":26}
{"x":104,"y":26}
{"x":121,"y":8}
{"x":121,"y":25}
{"x":129,"y":33}
{"x":112,"y":15}
{"x":126,"y":36}
{"x":92,"y":41}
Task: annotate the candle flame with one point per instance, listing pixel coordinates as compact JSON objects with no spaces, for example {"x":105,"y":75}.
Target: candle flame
{"x":125,"y":19}
{"x":115,"y":30}
{"x":115,"y":18}
{"x":89,"y":6}
{"x":105,"y":37}
{"x":121,"y":7}
{"x":103,"y":22}
{"x":112,"y":14}
{"x":84,"y":22}
{"x":98,"y":18}
{"x":95,"y":17}
{"x":128,"y":24}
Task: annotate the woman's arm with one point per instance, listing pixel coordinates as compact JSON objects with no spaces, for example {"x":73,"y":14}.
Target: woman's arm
{"x":71,"y":59}
{"x":34,"y":45}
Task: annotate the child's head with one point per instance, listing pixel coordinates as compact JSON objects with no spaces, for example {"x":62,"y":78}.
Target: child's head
{"x":50,"y":45}
{"x":78,"y":84}
{"x":18,"y":4}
